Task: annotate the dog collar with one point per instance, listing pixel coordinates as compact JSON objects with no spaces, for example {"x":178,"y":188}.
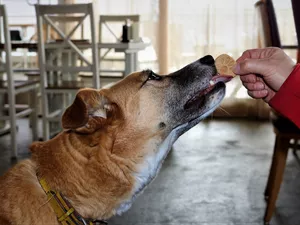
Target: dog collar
{"x":66,"y":215}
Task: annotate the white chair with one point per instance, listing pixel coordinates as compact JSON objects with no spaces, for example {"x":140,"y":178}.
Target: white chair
{"x":111,"y":58}
{"x":110,"y":26}
{"x":13,"y":87}
{"x":61,"y":60}
{"x":109,"y":22}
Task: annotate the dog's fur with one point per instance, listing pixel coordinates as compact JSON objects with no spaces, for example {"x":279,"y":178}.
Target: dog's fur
{"x":113,"y":144}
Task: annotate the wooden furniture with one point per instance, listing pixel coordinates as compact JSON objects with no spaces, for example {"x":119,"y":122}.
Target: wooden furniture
{"x":21,"y":44}
{"x":12,"y":87}
{"x":286,"y":137}
{"x":296,"y":8}
{"x":105,"y":20}
{"x":22,"y":27}
{"x":130,"y":50}
{"x":24,"y":57}
{"x":285,"y":131}
{"x":130,"y":59}
{"x":267,"y":28}
{"x":62,"y":60}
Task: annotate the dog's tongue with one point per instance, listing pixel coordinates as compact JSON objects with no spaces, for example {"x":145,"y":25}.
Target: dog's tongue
{"x":220,"y":78}
{"x":199,"y":98}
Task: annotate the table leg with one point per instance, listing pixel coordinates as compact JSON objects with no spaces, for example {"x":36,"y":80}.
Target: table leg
{"x":129,"y":63}
{"x":135,"y":61}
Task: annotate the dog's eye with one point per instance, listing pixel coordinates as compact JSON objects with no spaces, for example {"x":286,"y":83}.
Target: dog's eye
{"x":153,"y":76}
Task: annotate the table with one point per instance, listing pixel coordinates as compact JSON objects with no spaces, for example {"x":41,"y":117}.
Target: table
{"x":21,"y":44}
{"x":130,"y":49}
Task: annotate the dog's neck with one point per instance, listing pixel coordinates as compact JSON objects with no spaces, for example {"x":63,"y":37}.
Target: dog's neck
{"x":98,"y":174}
{"x":94,"y":181}
{"x":148,"y":169}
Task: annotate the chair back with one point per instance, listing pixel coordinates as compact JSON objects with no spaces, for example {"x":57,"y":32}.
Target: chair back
{"x":268,"y":28}
{"x":108,"y":20}
{"x":50,"y":15}
{"x":296,"y":8}
{"x":64,"y":22}
{"x":6,"y":66}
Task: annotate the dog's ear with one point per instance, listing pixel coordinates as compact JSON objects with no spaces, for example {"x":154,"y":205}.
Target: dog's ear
{"x":87,"y":113}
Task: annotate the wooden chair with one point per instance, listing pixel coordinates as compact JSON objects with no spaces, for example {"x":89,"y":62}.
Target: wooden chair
{"x":296,"y":8}
{"x":268,"y":32}
{"x":109,"y":75}
{"x":107,"y":21}
{"x":285,"y":131}
{"x":62,"y":60}
{"x":12,"y":88}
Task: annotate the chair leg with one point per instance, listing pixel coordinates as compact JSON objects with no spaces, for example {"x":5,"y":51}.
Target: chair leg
{"x":276,"y":175}
{"x":46,"y":128}
{"x":272,"y":171}
{"x":13,"y":126}
{"x":33,"y":116}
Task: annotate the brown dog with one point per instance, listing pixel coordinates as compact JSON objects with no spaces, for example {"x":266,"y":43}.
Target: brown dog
{"x":113,"y":145}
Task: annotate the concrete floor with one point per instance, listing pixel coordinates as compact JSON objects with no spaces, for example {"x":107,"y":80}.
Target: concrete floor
{"x":215,"y":175}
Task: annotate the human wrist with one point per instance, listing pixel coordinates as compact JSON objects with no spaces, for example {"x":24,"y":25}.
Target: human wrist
{"x":291,"y":80}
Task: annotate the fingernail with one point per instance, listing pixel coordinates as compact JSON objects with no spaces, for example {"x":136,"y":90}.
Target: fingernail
{"x":236,"y":68}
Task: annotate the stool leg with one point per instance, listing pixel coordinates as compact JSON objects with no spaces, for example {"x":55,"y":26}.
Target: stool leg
{"x":272,"y":171}
{"x":276,"y":176}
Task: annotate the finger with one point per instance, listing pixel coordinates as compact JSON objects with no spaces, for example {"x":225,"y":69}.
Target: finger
{"x":257,"y":86}
{"x":251,"y":66}
{"x":258,"y":94}
{"x":257,"y":53}
{"x":250,"y":54}
{"x":249,"y":78}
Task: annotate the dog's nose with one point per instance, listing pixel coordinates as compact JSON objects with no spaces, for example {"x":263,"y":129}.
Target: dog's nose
{"x":207,"y":60}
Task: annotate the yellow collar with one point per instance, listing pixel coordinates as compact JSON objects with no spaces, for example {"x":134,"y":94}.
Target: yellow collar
{"x":66,"y":214}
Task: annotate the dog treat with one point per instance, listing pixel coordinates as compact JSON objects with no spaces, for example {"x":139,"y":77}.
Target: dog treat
{"x":224,"y":64}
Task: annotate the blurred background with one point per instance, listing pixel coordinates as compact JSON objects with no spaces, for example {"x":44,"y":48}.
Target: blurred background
{"x":224,"y":160}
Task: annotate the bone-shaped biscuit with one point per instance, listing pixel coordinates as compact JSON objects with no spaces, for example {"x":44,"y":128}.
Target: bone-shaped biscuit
{"x":224,"y":64}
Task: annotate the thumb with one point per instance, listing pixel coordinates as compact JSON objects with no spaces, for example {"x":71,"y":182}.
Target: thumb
{"x":250,"y":66}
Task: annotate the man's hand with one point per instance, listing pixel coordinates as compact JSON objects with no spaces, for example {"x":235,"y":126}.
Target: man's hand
{"x":263,"y":71}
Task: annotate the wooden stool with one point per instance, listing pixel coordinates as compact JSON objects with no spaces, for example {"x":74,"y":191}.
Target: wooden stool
{"x":285,"y":131}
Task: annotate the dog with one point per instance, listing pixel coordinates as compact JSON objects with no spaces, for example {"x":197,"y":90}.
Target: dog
{"x":112,"y":146}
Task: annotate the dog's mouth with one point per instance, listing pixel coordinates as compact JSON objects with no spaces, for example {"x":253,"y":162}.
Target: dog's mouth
{"x":215,"y":84}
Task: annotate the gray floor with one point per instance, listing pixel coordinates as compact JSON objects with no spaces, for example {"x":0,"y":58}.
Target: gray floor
{"x":215,"y":175}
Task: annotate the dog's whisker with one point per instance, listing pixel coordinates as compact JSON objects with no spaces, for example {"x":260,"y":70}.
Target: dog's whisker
{"x":225,"y":111}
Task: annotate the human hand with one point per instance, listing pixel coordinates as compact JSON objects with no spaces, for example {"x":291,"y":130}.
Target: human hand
{"x":263,"y":71}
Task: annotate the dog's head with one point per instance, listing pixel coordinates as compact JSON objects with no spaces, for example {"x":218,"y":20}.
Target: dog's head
{"x":145,"y":113}
{"x":148,"y":102}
